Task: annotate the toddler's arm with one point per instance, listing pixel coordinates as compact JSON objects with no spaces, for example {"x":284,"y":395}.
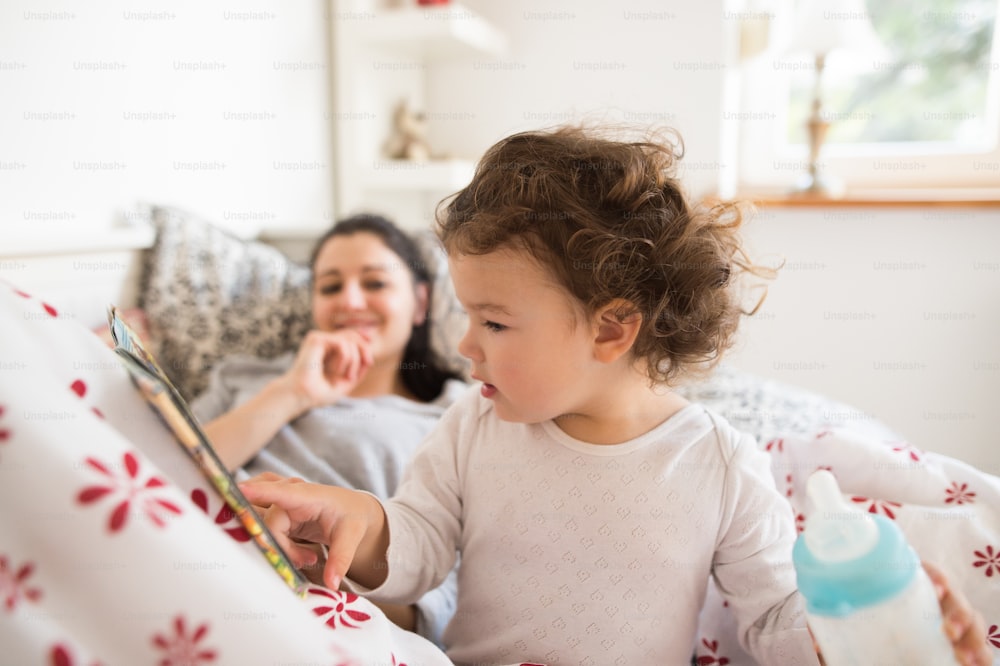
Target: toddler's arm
{"x":350,"y":523}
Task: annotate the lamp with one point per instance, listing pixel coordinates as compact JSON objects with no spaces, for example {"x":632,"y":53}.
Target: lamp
{"x":820,"y":28}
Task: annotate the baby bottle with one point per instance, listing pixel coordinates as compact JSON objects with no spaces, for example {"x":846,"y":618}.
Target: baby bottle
{"x":868,"y":599}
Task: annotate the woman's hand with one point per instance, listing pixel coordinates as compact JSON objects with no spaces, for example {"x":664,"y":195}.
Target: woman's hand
{"x":964,"y":627}
{"x":350,"y":523}
{"x":328,"y":365}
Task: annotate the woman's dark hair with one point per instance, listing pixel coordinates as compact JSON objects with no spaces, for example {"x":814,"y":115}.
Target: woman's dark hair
{"x":422,"y":370}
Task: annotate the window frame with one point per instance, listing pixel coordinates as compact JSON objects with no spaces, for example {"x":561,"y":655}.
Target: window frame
{"x":766,"y":161}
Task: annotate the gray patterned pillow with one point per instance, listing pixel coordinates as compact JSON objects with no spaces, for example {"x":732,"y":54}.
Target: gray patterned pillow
{"x":769,"y":409}
{"x":207,"y":294}
{"x":448,"y":318}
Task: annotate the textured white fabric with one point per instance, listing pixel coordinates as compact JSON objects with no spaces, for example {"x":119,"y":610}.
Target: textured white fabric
{"x":581,"y":554}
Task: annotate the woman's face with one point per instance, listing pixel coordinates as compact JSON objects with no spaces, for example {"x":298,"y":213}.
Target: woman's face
{"x":360,"y":283}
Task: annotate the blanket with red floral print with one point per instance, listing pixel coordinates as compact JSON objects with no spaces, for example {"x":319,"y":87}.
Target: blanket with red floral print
{"x":115,"y":549}
{"x":948,"y":510}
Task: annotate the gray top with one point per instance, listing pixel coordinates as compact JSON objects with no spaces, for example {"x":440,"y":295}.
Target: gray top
{"x":360,"y":443}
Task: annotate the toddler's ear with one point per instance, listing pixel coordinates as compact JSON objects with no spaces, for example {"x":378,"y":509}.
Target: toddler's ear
{"x":616,"y":327}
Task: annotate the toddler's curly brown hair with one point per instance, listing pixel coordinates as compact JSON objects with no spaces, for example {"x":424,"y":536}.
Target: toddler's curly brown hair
{"x":609,"y":219}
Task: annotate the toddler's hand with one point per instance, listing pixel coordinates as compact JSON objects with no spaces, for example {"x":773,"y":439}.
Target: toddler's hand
{"x":348,"y":522}
{"x":964,"y":627}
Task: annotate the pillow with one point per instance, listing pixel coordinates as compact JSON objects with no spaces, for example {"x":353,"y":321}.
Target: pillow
{"x":208,"y":294}
{"x":448,"y":319}
{"x":769,"y":409}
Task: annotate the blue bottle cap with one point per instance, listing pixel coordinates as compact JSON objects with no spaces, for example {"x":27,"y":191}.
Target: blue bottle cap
{"x":839,"y":588}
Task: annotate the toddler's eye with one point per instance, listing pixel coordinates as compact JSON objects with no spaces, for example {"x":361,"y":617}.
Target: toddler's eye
{"x":493,"y":326}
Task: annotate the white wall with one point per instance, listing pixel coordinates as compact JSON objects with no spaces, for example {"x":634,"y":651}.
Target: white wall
{"x":225,"y":109}
{"x":639,"y":61}
{"x":894,"y":311}
{"x":219,"y":107}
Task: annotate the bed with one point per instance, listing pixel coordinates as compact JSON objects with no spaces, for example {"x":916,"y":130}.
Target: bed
{"x":114,"y":550}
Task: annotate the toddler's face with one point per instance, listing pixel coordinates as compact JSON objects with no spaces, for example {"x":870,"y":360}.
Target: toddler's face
{"x":528,"y":344}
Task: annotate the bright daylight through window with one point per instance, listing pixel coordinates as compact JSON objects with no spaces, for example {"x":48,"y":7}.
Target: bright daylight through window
{"x":909,"y":95}
{"x":929,"y":84}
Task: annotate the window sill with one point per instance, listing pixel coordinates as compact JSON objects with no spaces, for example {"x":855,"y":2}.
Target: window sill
{"x":896,"y":198}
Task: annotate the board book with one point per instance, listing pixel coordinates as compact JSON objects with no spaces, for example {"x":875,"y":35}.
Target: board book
{"x":173,"y":410}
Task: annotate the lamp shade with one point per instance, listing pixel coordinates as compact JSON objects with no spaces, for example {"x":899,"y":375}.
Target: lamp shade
{"x":823,"y":26}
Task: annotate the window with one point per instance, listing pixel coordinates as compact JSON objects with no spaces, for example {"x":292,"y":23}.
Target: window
{"x":922,"y":111}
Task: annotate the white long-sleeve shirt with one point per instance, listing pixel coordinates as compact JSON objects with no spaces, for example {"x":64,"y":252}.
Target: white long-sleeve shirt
{"x":574,"y":553}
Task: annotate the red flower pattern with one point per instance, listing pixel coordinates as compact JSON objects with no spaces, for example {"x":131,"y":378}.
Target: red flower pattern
{"x":13,"y":584}
{"x":80,"y":388}
{"x":993,"y":635}
{"x":4,"y":433}
{"x":878,"y":506}
{"x":45,"y":306}
{"x":132,"y":488}
{"x":343,"y":657}
{"x":989,"y":559}
{"x":959,"y":494}
{"x":339,"y":612}
{"x":59,"y":655}
{"x":908,"y":449}
{"x":182,"y":649}
{"x":225,"y":515}
{"x":775,"y":445}
{"x":713,"y":658}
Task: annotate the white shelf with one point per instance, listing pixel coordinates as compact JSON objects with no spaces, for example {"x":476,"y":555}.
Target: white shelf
{"x":435,"y":175}
{"x":433,"y":33}
{"x":405,"y":46}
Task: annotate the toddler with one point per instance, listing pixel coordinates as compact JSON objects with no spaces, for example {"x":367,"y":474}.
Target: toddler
{"x":589,"y":503}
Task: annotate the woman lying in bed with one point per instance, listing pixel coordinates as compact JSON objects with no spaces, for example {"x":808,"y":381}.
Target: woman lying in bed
{"x":351,"y":406}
